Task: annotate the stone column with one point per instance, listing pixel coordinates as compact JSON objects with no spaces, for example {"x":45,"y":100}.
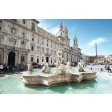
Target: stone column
{"x":5,"y":57}
{"x":19,"y":57}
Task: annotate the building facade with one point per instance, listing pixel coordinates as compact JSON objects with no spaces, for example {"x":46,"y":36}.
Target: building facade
{"x":101,"y":59}
{"x":109,"y":59}
{"x":23,"y":42}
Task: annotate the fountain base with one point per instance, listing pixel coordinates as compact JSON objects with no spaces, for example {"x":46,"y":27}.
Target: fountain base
{"x":56,"y":79}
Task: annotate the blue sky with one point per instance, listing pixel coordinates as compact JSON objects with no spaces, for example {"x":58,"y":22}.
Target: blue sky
{"x":88,"y":31}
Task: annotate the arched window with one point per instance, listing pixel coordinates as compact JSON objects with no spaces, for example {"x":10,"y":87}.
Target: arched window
{"x":33,"y":26}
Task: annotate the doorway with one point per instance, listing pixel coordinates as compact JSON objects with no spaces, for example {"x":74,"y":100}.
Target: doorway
{"x":11,"y":58}
{"x":37,"y":60}
{"x":47,"y":59}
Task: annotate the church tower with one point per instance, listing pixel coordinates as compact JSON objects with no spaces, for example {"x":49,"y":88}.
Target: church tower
{"x":62,"y":35}
{"x":63,"y":31}
{"x":75,"y":43}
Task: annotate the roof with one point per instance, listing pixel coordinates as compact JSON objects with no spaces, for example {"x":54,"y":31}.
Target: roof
{"x":36,"y":21}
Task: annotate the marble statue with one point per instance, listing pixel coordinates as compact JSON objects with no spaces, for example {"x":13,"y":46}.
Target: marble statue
{"x":80,"y":67}
{"x":59,"y":58}
{"x":30,"y":67}
{"x":45,"y":68}
{"x":61,"y":68}
{"x":68,"y":65}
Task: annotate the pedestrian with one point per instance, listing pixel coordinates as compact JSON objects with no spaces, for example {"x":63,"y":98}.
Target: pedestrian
{"x":108,"y":68}
{"x":101,"y":69}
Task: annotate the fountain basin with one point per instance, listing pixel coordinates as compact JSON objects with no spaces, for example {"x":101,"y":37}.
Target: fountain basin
{"x":34,"y":80}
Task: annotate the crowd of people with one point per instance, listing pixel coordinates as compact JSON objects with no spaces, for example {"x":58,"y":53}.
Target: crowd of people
{"x":10,"y":68}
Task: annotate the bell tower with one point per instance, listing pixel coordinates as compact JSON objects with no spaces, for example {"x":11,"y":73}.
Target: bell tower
{"x":75,"y":43}
{"x":63,"y":31}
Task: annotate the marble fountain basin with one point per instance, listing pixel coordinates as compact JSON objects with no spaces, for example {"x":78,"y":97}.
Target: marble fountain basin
{"x":38,"y":78}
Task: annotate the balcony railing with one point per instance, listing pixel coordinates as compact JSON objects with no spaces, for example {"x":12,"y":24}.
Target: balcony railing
{"x":13,"y":48}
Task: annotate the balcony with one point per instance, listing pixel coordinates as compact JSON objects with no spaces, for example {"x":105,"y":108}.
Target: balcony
{"x":13,"y":48}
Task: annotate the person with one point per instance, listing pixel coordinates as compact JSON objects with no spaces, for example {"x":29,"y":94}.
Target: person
{"x":101,"y":69}
{"x":108,"y":68}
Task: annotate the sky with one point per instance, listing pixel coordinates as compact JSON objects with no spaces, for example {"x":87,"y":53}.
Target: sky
{"x":88,"y":32}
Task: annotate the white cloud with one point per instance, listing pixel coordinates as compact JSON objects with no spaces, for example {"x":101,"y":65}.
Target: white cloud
{"x":47,"y":27}
{"x":99,"y":40}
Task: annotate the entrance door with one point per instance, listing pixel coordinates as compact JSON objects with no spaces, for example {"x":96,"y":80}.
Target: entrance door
{"x":11,"y":58}
{"x":37,"y":60}
{"x":47,"y":59}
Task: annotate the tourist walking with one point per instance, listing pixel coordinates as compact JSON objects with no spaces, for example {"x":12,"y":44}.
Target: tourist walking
{"x":108,"y":68}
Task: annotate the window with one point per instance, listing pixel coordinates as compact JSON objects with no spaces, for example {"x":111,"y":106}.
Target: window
{"x":0,"y":40}
{"x":0,"y":21}
{"x":13,"y":30}
{"x":38,"y":48}
{"x":33,"y":27}
{"x":0,"y":58}
{"x":23,"y":21}
{"x":42,"y":49}
{"x":54,"y":60}
{"x":38,"y":41}
{"x":32,"y":48}
{"x":55,"y":46}
{"x":51,"y":60}
{"x":0,"y":28}
{"x":47,"y":42}
{"x":42,"y":59}
{"x":51,"y":44}
{"x":22,"y":59}
{"x":31,"y":59}
{"x":23,"y":34}
{"x":42,"y":41}
{"x":32,"y":39}
{"x":47,"y":50}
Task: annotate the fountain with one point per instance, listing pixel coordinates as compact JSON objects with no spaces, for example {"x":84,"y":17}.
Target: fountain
{"x":30,"y":67}
{"x":63,"y":74}
{"x":46,"y":68}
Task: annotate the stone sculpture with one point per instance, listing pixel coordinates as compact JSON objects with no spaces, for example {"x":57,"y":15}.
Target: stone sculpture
{"x":80,"y":67}
{"x":61,"y":68}
{"x":59,"y":58}
{"x":30,"y":67}
{"x":45,"y":68}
